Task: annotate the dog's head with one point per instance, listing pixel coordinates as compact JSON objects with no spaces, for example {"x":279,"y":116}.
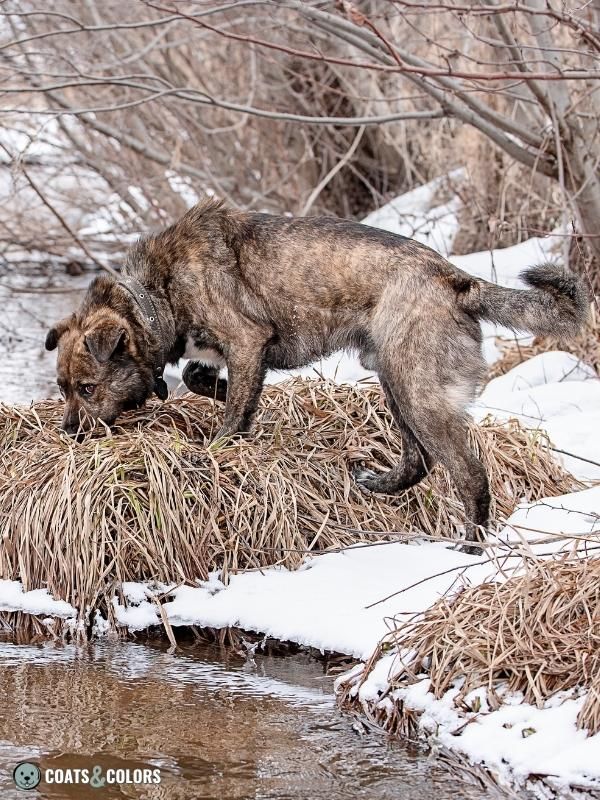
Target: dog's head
{"x":101,"y":369}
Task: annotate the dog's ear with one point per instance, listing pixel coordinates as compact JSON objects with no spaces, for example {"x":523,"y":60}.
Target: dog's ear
{"x":54,"y":334}
{"x":104,"y":339}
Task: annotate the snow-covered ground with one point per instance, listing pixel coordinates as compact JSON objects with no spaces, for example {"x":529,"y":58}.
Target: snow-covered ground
{"x":345,"y":601}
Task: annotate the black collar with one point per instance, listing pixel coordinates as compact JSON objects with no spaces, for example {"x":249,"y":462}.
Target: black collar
{"x":144,"y":302}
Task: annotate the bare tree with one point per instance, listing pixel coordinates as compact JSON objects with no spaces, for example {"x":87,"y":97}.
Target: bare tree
{"x":526,"y":75}
{"x":312,"y":105}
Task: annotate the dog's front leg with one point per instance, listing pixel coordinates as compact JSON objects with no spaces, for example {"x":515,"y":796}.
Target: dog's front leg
{"x":246,"y":370}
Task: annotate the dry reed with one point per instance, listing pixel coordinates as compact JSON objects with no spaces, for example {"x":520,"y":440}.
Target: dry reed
{"x":537,"y":633}
{"x":151,"y":501}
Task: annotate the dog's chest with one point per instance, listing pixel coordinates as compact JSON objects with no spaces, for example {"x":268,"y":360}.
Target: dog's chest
{"x":206,"y":355}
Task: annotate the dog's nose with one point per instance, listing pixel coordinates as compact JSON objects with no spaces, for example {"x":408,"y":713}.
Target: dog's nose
{"x":73,"y":430}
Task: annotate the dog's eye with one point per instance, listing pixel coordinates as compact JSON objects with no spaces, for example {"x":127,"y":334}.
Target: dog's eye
{"x":61,"y":389}
{"x":87,"y":389}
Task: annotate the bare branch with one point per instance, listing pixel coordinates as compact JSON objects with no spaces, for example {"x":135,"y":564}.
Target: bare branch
{"x":332,"y":172}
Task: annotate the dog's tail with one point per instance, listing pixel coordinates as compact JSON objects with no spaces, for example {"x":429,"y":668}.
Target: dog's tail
{"x":557,"y":303}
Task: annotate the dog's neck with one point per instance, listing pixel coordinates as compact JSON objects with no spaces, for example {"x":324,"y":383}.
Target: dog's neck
{"x":150,"y":310}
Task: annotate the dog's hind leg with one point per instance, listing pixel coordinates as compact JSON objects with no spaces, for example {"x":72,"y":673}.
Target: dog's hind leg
{"x":444,"y":432}
{"x":204,"y":380}
{"x":435,"y":430}
{"x":414,"y":465}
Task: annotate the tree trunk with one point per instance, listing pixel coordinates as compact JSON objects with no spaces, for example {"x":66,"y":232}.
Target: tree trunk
{"x":582,"y":181}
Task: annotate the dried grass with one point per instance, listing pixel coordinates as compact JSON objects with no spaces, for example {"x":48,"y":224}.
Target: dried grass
{"x":152,"y":501}
{"x":537,"y":633}
{"x":586,"y":346}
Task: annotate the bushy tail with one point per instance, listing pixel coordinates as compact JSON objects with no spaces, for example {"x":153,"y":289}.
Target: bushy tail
{"x":556,"y":305}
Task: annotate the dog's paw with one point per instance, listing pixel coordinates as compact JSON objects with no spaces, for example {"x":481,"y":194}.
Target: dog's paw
{"x":367,"y":480}
{"x":470,"y":549}
{"x":204,"y":381}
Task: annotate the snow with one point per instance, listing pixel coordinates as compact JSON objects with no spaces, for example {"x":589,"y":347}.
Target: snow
{"x":35,"y":601}
{"x":290,"y":605}
{"x":136,"y":617}
{"x":134,"y":592}
{"x":556,"y":523}
{"x":340,"y":367}
{"x":183,"y":186}
{"x":515,"y":742}
{"x":532,"y":739}
{"x":557,"y":393}
{"x":414,"y":215}
{"x":553,"y":367}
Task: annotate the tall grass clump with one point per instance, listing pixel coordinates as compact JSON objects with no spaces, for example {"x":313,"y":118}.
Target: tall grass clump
{"x":151,"y":500}
{"x":536,"y":634}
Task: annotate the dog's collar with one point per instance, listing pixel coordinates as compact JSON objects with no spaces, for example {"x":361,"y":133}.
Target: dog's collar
{"x":144,"y":301}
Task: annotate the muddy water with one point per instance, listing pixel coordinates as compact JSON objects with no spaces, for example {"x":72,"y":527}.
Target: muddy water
{"x":215,"y":725}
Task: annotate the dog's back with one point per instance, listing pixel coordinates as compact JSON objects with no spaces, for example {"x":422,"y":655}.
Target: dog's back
{"x":331,"y":262}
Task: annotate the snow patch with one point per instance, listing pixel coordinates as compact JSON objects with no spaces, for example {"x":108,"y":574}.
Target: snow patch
{"x":414,"y":215}
{"x":36,"y":601}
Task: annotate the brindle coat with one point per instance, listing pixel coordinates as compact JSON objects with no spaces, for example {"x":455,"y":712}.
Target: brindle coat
{"x":257,"y":292}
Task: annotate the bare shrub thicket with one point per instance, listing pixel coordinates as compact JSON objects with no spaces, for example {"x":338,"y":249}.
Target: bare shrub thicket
{"x":117,"y":115}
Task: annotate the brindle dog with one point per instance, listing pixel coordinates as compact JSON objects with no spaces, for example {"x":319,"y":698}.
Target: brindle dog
{"x":256,"y":292}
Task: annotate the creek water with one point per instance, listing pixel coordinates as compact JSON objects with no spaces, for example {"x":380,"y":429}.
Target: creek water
{"x":215,"y":724}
